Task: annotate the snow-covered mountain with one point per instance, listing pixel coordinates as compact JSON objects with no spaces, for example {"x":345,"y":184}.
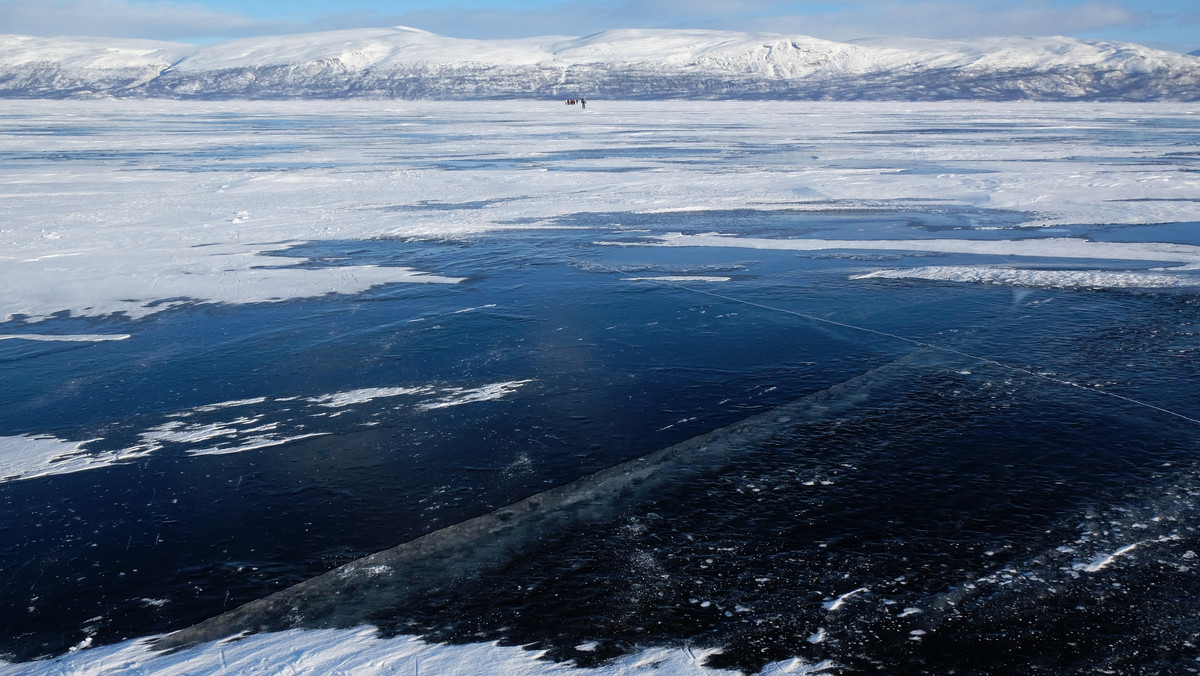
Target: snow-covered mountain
{"x":630,"y":64}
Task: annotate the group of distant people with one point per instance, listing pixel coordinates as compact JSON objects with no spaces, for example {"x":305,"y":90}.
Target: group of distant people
{"x":581,"y":102}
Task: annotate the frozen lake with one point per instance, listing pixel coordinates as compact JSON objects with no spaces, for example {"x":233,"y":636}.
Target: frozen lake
{"x":945,"y":356}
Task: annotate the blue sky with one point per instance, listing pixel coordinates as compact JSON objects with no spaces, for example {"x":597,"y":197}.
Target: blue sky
{"x":1166,"y":24}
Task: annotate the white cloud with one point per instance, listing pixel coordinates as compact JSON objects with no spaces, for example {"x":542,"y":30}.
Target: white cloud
{"x":124,"y":19}
{"x":944,"y":19}
{"x":845,"y":20}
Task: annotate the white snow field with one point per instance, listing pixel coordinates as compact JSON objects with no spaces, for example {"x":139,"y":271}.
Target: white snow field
{"x":113,"y":211}
{"x":163,"y":203}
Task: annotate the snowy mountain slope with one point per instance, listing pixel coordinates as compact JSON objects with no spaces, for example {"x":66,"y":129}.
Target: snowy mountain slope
{"x":59,"y":67}
{"x":633,"y":64}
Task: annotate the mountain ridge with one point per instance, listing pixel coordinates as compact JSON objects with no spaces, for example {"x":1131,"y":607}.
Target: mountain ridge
{"x":406,"y":63}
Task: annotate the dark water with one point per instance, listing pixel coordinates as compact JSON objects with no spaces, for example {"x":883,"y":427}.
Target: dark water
{"x":964,"y":499}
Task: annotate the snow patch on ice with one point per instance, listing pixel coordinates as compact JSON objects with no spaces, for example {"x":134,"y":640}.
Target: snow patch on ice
{"x":459,"y":396}
{"x":29,"y":457}
{"x":361,"y":651}
{"x":361,"y":396}
{"x":208,"y":408}
{"x":138,"y":282}
{"x":177,"y":432}
{"x":677,"y":278}
{"x":474,"y":309}
{"x":1103,"y":561}
{"x":253,"y":444}
{"x":1047,"y":247}
{"x":837,"y":603}
{"x":1059,"y":279}
{"x":38,"y":455}
{"x":71,"y":338}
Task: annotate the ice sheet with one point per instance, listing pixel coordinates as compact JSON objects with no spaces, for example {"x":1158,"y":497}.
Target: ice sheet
{"x":355,"y":592}
{"x":136,"y":218}
{"x":118,"y":213}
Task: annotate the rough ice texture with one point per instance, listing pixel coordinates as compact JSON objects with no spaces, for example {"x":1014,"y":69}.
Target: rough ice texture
{"x":405,"y":63}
